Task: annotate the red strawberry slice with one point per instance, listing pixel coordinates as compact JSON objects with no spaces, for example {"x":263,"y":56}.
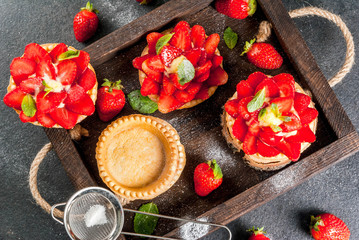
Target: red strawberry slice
{"x":14,"y":98}
{"x":49,"y":102}
{"x":203,"y":93}
{"x":295,"y":151}
{"x":284,"y":104}
{"x":150,"y":87}
{"x":74,"y":94}
{"x":203,"y":77}
{"x":293,"y":124}
{"x":308,"y":115}
{"x":286,"y":89}
{"x":156,"y":76}
{"x":181,"y":39}
{"x":57,"y":51}
{"x":82,"y":62}
{"x":250,"y":144}
{"x":269,"y":137}
{"x":193,"y":56}
{"x":211,"y":44}
{"x":168,"y":87}
{"x":272,"y":89}
{"x":181,"y":24}
{"x":45,"y":69}
{"x":244,"y":89}
{"x":25,"y":118}
{"x":87,"y":79}
{"x":231,"y":107}
{"x":30,"y":85}
{"x":175,"y":80}
{"x":203,"y":59}
{"x":152,"y":39}
{"x":167,"y":103}
{"x":255,"y":79}
{"x":44,"y":119}
{"x":35,"y":52}
{"x":305,"y":134}
{"x":193,"y":88}
{"x":168,"y":53}
{"x":137,"y":62}
{"x":301,"y":102}
{"x":198,"y":36}
{"x":285,"y":77}
{"x":217,"y":77}
{"x":266,"y":150}
{"x":84,"y":106}
{"x":156,"y":64}
{"x":240,"y":129}
{"x":22,"y":68}
{"x":183,"y":96}
{"x":64,"y":117}
{"x":253,"y":126}
{"x":242,"y":108}
{"x":66,"y":72}
{"x":291,"y":150}
{"x":216,"y":61}
{"x":202,"y":69}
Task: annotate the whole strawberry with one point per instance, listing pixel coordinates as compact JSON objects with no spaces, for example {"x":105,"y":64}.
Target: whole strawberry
{"x":239,"y":9}
{"x":207,"y":177}
{"x":85,"y":23}
{"x":110,"y":100}
{"x":257,"y":234}
{"x":328,"y":227}
{"x":262,"y":55}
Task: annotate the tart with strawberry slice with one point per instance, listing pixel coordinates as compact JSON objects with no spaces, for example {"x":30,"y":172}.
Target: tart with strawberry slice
{"x":52,"y":85}
{"x":180,"y":67}
{"x":272,"y":119}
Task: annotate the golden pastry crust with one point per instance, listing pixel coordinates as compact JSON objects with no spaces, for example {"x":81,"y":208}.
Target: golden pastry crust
{"x":140,"y":157}
{"x":256,"y":160}
{"x":92,"y":92}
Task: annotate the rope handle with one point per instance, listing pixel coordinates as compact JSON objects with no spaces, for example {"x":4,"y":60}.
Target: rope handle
{"x":265,"y":31}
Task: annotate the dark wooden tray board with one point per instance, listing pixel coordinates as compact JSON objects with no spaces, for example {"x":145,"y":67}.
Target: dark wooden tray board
{"x":243,"y":188}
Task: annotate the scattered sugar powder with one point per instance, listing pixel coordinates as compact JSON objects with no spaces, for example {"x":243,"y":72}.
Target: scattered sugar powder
{"x":96,"y":215}
{"x":194,"y":230}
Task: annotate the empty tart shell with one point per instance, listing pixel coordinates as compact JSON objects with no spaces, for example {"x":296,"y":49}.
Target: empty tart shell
{"x":140,"y":157}
{"x":92,"y":92}
{"x":257,"y":161}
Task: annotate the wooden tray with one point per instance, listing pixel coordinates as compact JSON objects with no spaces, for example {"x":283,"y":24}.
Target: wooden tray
{"x":243,"y":188}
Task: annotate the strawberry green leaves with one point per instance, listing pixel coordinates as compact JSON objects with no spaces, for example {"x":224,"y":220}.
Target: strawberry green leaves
{"x":145,"y":224}
{"x":230,"y":38}
{"x":69,"y":54}
{"x":141,"y":103}
{"x":162,"y":42}
{"x":112,"y":85}
{"x":28,"y":106}
{"x":185,"y":72}
{"x":257,"y":101}
{"x":217,"y":171}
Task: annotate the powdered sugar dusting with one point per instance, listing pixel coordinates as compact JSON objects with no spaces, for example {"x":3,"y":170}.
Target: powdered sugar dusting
{"x":122,"y":13}
{"x":96,"y":215}
{"x":280,"y":181}
{"x":194,"y":230}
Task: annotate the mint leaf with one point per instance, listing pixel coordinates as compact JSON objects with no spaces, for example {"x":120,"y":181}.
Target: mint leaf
{"x":145,"y":224}
{"x":162,"y":42}
{"x":28,"y":106}
{"x":230,"y":38}
{"x":69,"y":54}
{"x":141,"y":103}
{"x":257,"y":101}
{"x":185,"y":72}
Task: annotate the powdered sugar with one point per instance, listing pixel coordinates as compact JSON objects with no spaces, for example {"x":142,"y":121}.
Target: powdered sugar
{"x":96,"y":215}
{"x":194,"y":230}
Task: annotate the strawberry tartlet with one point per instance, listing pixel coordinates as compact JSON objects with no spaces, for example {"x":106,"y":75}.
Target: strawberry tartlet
{"x":180,"y":67}
{"x":271,"y":119}
{"x":52,"y":85}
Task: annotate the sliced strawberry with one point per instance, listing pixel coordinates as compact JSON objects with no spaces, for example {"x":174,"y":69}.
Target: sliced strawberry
{"x":284,"y":77}
{"x":183,"y":96}
{"x":44,"y":119}
{"x":285,"y":148}
{"x":87,"y":80}
{"x":45,"y":69}
{"x":308,"y":115}
{"x":198,"y":36}
{"x":203,"y":77}
{"x":25,"y":118}
{"x":305,"y":134}
{"x":82,"y":62}
{"x":137,"y":62}
{"x":293,"y":124}
{"x":156,"y":64}
{"x":175,"y":80}
{"x":193,"y":88}
{"x":266,"y":150}
{"x":168,"y":87}
{"x":203,"y":59}
{"x":22,"y":68}
{"x":49,"y":102}
{"x":216,"y":61}
{"x":64,"y":117}
{"x":156,"y":76}
{"x":57,"y":51}
{"x":74,"y":94}
{"x":30,"y":85}
{"x":168,"y":53}
{"x":14,"y":98}
{"x":242,"y":108}
{"x":66,"y":72}
{"x":181,"y":38}
{"x":202,"y":69}
{"x":284,"y":104}
{"x":211,"y":44}
{"x":231,"y":107}
{"x":244,"y":89}
{"x":250,"y":144}
{"x":217,"y":77}
{"x":152,"y":39}
{"x":295,"y":151}
{"x":239,"y":129}
{"x":269,"y":137}
{"x":255,"y":79}
{"x":203,"y":93}
{"x":286,"y":89}
{"x":84,"y":106}
{"x":167,"y":103}
{"x":301,"y":102}
{"x":253,"y":126}
{"x":272,"y":89}
{"x":193,"y":56}
{"x":35,"y":52}
{"x":149,"y":87}
{"x":181,"y":24}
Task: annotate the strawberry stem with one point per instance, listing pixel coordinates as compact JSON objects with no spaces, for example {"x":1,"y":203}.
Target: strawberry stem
{"x":89,"y":7}
{"x":256,"y":231}
{"x":112,"y":85}
{"x":315,"y":222}
{"x":248,"y":46}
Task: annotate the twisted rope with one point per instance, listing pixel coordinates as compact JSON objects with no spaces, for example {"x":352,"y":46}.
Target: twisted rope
{"x":265,"y":31}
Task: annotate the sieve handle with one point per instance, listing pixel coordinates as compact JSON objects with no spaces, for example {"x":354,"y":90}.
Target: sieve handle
{"x":52,"y":212}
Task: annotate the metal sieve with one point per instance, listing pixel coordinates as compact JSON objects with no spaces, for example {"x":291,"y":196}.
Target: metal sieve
{"x":79,"y":205}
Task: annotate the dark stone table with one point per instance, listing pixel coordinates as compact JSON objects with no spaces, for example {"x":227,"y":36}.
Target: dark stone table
{"x":335,"y":190}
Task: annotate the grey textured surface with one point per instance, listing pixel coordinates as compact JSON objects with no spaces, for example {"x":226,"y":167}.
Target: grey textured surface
{"x":335,"y":190}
